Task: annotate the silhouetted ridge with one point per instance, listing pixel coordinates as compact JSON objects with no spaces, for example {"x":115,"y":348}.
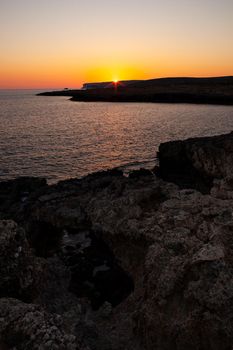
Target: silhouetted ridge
{"x":217,"y":90}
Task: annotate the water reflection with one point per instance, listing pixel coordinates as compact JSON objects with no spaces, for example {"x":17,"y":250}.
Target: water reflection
{"x":58,"y":139}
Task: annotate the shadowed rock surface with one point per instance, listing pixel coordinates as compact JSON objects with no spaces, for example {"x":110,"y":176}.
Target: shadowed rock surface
{"x":21,"y":271}
{"x":28,"y":327}
{"x":128,"y":262}
{"x":197,"y":162}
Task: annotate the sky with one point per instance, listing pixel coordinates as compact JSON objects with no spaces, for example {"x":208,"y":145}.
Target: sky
{"x":64,"y":43}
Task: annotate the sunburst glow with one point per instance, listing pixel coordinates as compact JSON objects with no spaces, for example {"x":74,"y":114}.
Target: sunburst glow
{"x":83,"y":42}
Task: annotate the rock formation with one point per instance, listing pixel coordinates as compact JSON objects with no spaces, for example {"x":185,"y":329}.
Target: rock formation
{"x":20,"y":270}
{"x":197,"y":162}
{"x":28,"y":327}
{"x":112,"y":262}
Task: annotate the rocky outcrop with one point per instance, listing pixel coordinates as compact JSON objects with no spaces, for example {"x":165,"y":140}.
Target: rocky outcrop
{"x":196,"y":162}
{"x":189,"y":276}
{"x":28,"y":327}
{"x":14,"y":195}
{"x":128,"y":262}
{"x":21,"y":272}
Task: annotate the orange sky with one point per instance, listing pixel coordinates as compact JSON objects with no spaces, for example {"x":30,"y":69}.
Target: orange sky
{"x":64,"y":43}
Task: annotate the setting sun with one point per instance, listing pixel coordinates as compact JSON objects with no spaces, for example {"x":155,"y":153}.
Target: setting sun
{"x":147,"y":42}
{"x":116,"y":185}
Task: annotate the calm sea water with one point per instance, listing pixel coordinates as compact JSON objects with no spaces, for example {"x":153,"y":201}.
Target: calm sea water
{"x":58,"y":139}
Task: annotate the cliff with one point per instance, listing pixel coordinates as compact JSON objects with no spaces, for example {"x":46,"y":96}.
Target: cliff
{"x":112,"y":262}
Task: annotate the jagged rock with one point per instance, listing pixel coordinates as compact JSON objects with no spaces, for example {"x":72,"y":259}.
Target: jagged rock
{"x":95,"y":272}
{"x":223,"y":188}
{"x":28,"y":327}
{"x":135,"y":174}
{"x":14,"y":195}
{"x":209,"y":253}
{"x":189,"y":277}
{"x":20,"y":271}
{"x":196,"y":162}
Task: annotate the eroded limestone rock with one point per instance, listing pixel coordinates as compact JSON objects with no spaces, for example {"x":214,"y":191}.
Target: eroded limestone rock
{"x":20,"y":271}
{"x":196,"y":162}
{"x":29,"y":327}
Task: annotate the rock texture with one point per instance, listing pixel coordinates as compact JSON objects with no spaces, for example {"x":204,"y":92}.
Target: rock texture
{"x":20,"y":271}
{"x":126,"y":262}
{"x":196,"y":162}
{"x":26,"y":326}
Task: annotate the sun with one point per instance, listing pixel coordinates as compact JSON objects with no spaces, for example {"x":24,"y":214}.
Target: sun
{"x":115,"y":77}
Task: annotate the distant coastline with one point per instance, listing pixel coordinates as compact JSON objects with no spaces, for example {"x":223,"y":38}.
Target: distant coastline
{"x":216,"y":90}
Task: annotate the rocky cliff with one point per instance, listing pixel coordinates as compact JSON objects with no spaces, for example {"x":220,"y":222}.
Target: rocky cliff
{"x":113,"y":262}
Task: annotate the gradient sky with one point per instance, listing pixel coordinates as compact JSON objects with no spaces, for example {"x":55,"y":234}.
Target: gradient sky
{"x":63,"y":43}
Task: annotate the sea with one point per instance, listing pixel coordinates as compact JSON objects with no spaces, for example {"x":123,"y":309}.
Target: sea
{"x":55,"y":138}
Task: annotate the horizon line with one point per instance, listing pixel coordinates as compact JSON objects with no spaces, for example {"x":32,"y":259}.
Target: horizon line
{"x":109,"y":81}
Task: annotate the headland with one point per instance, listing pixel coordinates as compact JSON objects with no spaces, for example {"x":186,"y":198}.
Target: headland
{"x":217,"y":90}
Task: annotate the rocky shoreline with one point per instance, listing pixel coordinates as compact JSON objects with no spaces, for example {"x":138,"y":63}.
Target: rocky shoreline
{"x":118,"y":263}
